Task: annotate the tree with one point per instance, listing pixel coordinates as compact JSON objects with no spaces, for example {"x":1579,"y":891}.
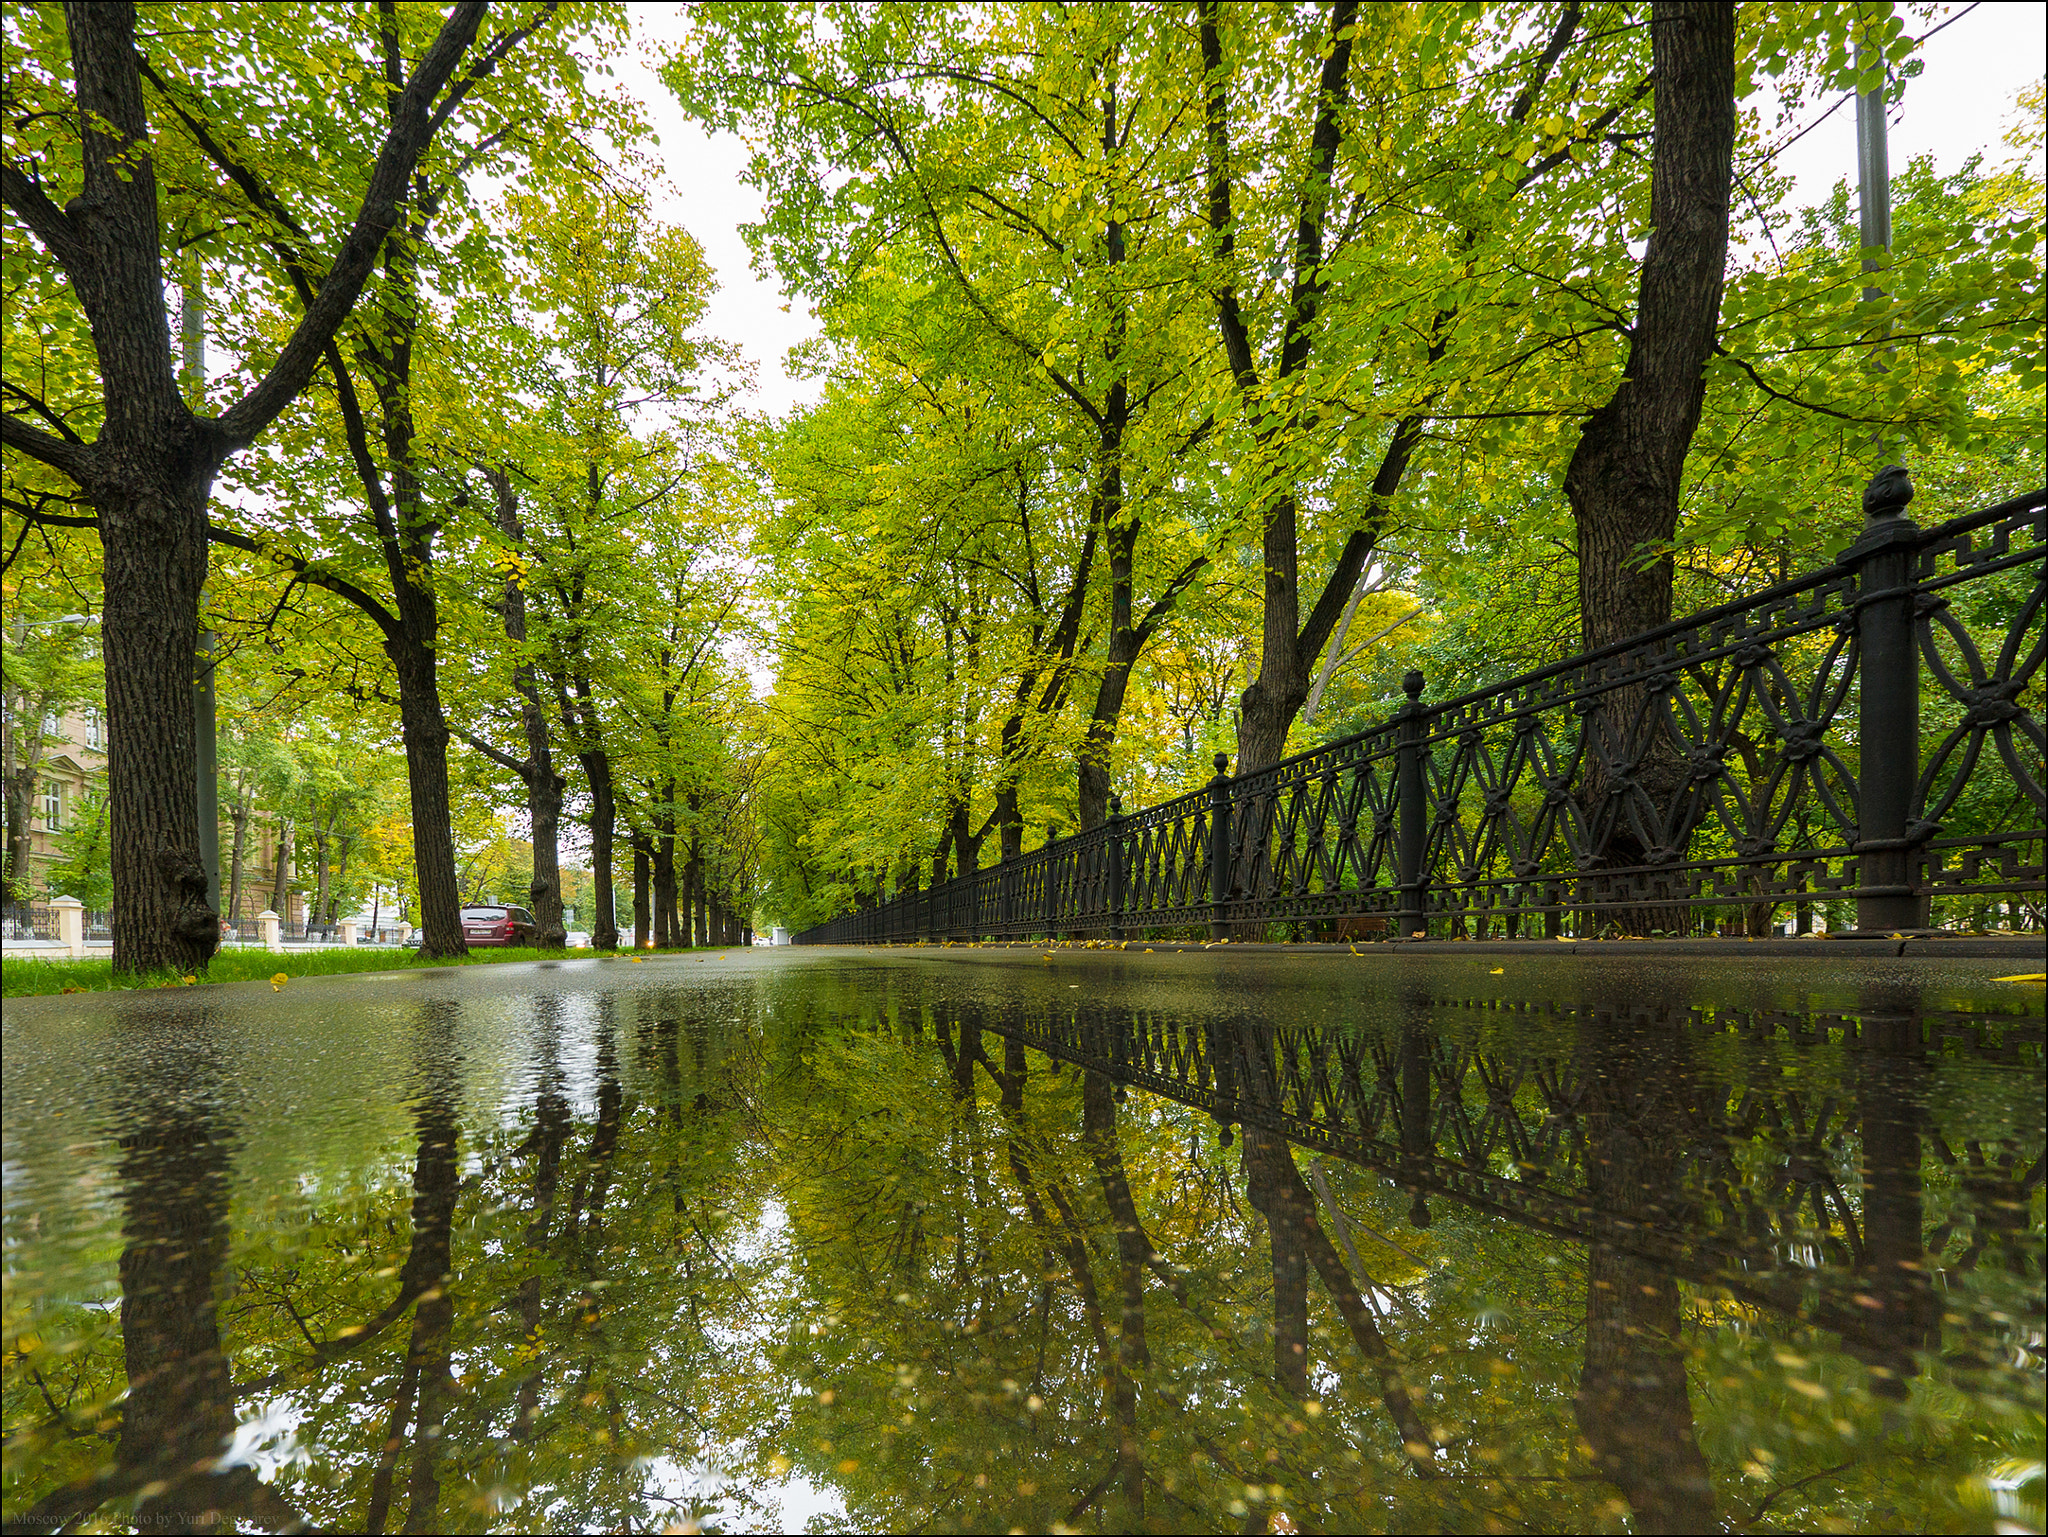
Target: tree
{"x":1623,"y":479}
{"x":1023,"y":198}
{"x":92,"y":200}
{"x":48,"y":663}
{"x":624,"y":414}
{"x":83,"y":868}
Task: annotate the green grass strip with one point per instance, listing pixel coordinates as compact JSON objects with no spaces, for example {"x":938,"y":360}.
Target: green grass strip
{"x":28,"y":977}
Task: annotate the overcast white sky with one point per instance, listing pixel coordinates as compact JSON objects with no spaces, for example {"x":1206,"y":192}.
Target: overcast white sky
{"x":1959,"y":105}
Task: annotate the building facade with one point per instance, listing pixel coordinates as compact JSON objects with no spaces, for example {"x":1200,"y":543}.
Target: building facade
{"x":68,"y":762}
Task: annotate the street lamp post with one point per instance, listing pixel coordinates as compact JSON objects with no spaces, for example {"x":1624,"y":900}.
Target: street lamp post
{"x":206,"y":764}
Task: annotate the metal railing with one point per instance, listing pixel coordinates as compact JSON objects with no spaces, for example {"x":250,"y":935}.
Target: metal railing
{"x":25,"y":922}
{"x":1867,"y":734}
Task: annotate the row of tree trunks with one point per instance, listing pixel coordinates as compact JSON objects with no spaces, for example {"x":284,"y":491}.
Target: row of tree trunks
{"x":676,"y":906}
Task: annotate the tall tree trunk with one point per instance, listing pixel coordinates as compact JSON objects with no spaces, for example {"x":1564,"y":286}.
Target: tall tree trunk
{"x":1121,"y":536}
{"x":698,"y":925}
{"x":237,"y":855}
{"x":281,"y":869}
{"x":317,"y":913}
{"x":17,"y":841}
{"x":334,"y":897}
{"x":1624,"y":478}
{"x":1275,"y":695}
{"x":597,"y":771}
{"x":425,"y":731}
{"x":21,"y":795}
{"x":153,"y":532}
{"x":965,"y":844}
{"x":665,"y":924}
{"x":641,"y":930}
{"x":543,"y":784}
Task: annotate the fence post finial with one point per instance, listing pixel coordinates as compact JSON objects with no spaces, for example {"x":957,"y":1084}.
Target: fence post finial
{"x":1887,"y":495}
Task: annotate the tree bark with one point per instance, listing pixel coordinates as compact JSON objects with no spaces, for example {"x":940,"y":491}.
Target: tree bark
{"x":664,"y":850}
{"x":1625,"y":475}
{"x":317,"y":913}
{"x":281,"y":869}
{"x":641,"y":930}
{"x":334,"y":898}
{"x":23,"y":762}
{"x":597,"y":771}
{"x":425,"y":731}
{"x":237,"y":855}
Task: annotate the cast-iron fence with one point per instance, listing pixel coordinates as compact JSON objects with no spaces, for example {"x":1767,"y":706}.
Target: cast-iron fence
{"x":1869,"y":733}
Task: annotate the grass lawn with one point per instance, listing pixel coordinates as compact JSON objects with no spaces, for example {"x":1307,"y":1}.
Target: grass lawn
{"x":24,"y":977}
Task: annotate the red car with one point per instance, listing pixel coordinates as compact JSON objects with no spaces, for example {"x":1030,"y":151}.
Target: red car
{"x":499,"y":926}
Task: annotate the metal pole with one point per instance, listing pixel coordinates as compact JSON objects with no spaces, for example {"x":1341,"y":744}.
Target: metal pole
{"x":1888,"y":720}
{"x":1873,"y":196}
{"x":1413,"y":825}
{"x":1219,"y":847}
{"x":192,"y":328}
{"x":1873,"y":169}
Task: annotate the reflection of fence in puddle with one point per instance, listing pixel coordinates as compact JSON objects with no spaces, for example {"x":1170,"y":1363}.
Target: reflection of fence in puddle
{"x":1804,"y":1196}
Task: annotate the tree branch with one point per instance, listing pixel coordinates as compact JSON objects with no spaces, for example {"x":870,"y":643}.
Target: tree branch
{"x":503,"y":759}
{"x":306,"y":571}
{"x":46,"y":221}
{"x":411,"y":130}
{"x":74,"y":459}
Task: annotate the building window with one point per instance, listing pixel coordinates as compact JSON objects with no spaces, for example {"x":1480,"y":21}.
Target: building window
{"x":95,"y":731}
{"x":53,"y":805}
{"x":49,"y":723}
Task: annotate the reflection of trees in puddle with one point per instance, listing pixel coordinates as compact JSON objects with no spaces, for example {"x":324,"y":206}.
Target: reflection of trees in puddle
{"x":854,"y":1235}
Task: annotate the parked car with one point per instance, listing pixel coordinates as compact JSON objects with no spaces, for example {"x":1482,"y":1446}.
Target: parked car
{"x":499,"y":926}
{"x":577,"y":940}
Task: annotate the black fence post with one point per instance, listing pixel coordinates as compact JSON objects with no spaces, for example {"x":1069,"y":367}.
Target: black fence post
{"x":1116,"y":868}
{"x":1049,"y":896}
{"x":1413,"y":825}
{"x":1888,"y":722}
{"x":1219,"y":847}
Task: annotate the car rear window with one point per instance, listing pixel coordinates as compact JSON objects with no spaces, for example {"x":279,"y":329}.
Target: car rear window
{"x":483,"y":912}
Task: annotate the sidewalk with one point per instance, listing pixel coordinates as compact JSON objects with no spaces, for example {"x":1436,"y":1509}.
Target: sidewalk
{"x":103,"y":949}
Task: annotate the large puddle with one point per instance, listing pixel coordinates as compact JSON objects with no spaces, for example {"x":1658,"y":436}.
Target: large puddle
{"x":916,"y":1241}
